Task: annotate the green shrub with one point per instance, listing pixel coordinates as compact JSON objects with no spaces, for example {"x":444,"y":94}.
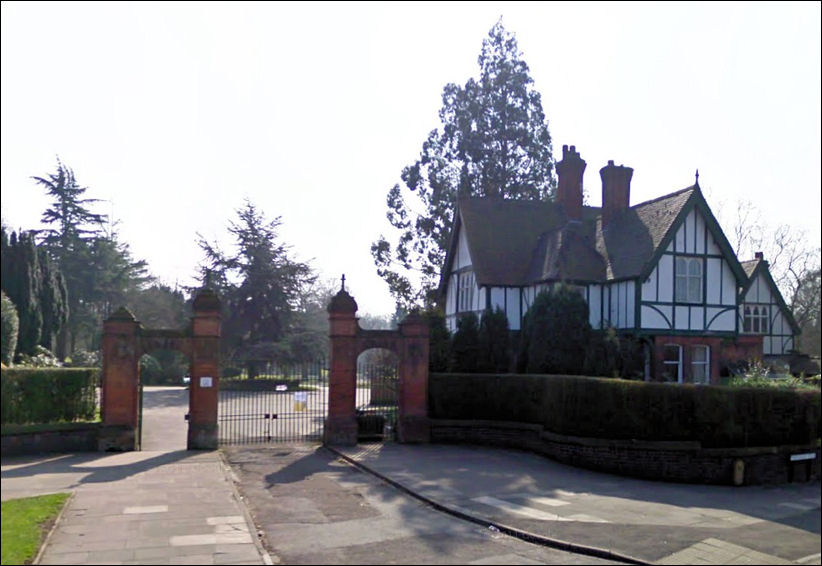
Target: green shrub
{"x":465,"y":344}
{"x":626,"y":409}
{"x":39,"y":358}
{"x":10,"y":326}
{"x":84,"y":359}
{"x":48,"y":395}
{"x":439,"y":341}
{"x":494,"y":354}
{"x":558,"y":332}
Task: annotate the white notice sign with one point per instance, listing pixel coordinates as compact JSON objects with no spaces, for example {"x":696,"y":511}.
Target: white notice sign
{"x":205,"y":382}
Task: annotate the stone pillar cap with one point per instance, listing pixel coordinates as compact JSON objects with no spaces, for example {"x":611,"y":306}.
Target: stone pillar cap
{"x":342,"y":302}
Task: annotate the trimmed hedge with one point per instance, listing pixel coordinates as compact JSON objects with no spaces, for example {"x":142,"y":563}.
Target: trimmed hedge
{"x":48,"y":395}
{"x":717,"y":417}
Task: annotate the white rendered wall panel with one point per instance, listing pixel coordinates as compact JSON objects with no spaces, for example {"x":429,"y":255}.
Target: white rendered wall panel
{"x":681,"y":318}
{"x":630,"y":304}
{"x":666,"y":279}
{"x":713,"y":279}
{"x":651,"y":318}
{"x":713,"y":248}
{"x":721,"y":320}
{"x":497,"y":298}
{"x":697,"y":318}
{"x":700,"y":234}
{"x":728,"y":285}
{"x":649,"y":286}
{"x":463,"y":258}
{"x":595,"y":305}
{"x":513,"y":312}
{"x":679,"y":239}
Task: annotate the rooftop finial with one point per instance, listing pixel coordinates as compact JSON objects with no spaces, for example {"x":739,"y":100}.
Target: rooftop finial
{"x":343,"y":283}
{"x":697,"y":177}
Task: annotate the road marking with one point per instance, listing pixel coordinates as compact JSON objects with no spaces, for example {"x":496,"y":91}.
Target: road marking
{"x":519,"y":509}
{"x":715,"y":551}
{"x":549,"y":501}
{"x":799,"y":506}
{"x":146,"y":509}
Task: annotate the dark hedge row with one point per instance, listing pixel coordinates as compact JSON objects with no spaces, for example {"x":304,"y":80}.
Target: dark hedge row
{"x":718,"y":417}
{"x":48,"y":395}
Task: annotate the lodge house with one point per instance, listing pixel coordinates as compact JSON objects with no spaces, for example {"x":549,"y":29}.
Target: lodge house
{"x":660,"y":270}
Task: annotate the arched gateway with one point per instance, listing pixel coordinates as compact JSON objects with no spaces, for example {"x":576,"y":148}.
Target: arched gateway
{"x":348,"y":340}
{"x":125,"y":341}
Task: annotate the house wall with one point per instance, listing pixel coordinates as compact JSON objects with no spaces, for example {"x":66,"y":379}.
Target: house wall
{"x":779,"y":338}
{"x":716,"y":312}
{"x":744,"y":347}
{"x":612,"y":304}
{"x":462,"y":267}
{"x":686,"y":342}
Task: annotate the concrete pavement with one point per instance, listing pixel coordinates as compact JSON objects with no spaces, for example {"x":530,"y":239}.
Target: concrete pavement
{"x":653,"y":522}
{"x":310,"y":506}
{"x":173,"y":507}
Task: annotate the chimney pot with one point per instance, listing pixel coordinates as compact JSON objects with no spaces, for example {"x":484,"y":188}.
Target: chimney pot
{"x":759,"y":255}
{"x":569,"y":190}
{"x":616,"y":190}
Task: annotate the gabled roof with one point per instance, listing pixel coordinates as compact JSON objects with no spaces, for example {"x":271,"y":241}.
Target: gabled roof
{"x":756,"y":267}
{"x":518,"y":243}
{"x":631,"y":240}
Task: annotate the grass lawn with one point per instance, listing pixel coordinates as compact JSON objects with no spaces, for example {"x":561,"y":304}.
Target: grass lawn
{"x":25,"y":523}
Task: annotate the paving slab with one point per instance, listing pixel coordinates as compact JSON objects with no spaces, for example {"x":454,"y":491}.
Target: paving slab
{"x":163,"y":507}
{"x":652,"y":522}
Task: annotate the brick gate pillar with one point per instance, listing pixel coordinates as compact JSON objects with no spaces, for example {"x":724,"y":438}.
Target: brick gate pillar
{"x":341,"y":424}
{"x":413,"y":424}
{"x":205,"y":371}
{"x":121,"y":378}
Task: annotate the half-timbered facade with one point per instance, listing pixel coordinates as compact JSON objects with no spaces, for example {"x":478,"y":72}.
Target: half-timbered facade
{"x":662,"y":270}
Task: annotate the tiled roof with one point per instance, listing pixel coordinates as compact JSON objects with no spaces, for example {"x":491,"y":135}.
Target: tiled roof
{"x":515,"y":243}
{"x":631,"y":238}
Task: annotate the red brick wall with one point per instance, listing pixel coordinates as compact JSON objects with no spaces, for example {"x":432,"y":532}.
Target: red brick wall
{"x":741,"y":348}
{"x":723,"y":350}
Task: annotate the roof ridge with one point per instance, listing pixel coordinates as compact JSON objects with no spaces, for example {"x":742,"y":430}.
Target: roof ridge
{"x":663,"y":197}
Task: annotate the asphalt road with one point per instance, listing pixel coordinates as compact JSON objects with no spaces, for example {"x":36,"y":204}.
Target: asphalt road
{"x":312,"y":508}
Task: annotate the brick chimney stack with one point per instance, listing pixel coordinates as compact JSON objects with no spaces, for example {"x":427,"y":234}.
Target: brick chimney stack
{"x":616,"y":190}
{"x":759,"y":255}
{"x":569,"y":191}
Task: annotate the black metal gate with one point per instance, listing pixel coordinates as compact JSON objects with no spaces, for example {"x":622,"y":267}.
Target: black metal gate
{"x":276,"y":403}
{"x":377,"y":387}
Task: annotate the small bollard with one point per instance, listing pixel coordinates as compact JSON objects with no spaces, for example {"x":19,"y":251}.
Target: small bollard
{"x":739,"y":472}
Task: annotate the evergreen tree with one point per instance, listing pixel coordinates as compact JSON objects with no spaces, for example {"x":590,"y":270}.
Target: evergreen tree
{"x":260,"y":286}
{"x":439,"y":338}
{"x":494,"y":354}
{"x":10,"y":326}
{"x":465,"y":344}
{"x":494,"y":141}
{"x":98,"y":269}
{"x":21,"y":283}
{"x":53,"y":300}
{"x":558,"y":332}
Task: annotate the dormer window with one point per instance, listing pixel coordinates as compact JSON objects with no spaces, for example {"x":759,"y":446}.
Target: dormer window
{"x":688,"y":280}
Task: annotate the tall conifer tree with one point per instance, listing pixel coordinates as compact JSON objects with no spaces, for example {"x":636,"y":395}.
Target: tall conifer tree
{"x":493,"y":141}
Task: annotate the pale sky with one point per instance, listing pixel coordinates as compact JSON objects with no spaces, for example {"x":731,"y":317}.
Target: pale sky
{"x":173,"y":113}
